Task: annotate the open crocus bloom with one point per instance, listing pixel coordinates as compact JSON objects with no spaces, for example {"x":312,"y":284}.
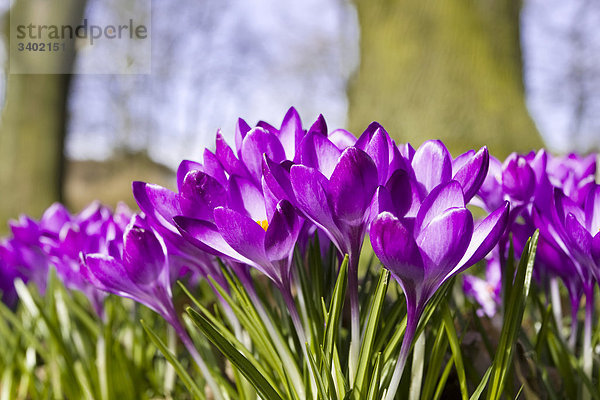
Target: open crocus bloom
{"x":424,"y":251}
{"x":266,"y":243}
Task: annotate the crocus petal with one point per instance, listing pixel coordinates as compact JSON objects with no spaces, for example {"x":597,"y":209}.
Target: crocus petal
{"x":518,"y":178}
{"x":352,"y":185}
{"x":320,"y":126}
{"x":243,"y":234}
{"x":310,"y":189}
{"x":363,"y":141}
{"x":277,"y":178}
{"x":443,"y":242}
{"x":206,"y":236}
{"x":184,"y":167}
{"x":157,"y":202}
{"x":143,"y":256}
{"x":270,"y":200}
{"x":108,"y":274}
{"x":25,"y":230}
{"x":291,"y":133}
{"x":227,"y":158}
{"x":490,"y":191}
{"x":282,"y":232}
{"x":440,"y":199}
{"x":267,"y":127}
{"x":200,"y":194}
{"x":212,"y":166}
{"x":461,"y":160}
{"x":404,"y":194}
{"x":396,"y":248}
{"x":72,"y":241}
{"x":317,"y":151}
{"x":256,"y":143}
{"x":485,"y":236}
{"x":246,"y":198}
{"x":579,"y":236}
{"x":342,"y":139}
{"x":382,"y":201}
{"x":432,"y":164}
{"x":54,"y":218}
{"x":378,"y":150}
{"x":596,"y":249}
{"x":564,"y":206}
{"x":472,"y":173}
{"x":592,"y":210}
{"x":241,"y":129}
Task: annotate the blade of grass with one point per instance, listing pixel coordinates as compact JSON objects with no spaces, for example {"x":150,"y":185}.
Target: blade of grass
{"x":366,"y":350}
{"x":185,"y":377}
{"x":257,"y":380}
{"x":515,"y":307}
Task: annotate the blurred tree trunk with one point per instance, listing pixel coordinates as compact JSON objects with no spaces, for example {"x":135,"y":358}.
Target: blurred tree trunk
{"x":33,"y":122}
{"x":447,"y":69}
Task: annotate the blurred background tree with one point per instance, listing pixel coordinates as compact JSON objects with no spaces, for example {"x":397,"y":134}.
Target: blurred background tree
{"x":450,"y":70}
{"x":34,"y":121}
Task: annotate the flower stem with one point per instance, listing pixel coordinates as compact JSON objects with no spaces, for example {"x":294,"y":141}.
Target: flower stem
{"x":191,"y":348}
{"x":556,"y":304}
{"x":409,"y":333}
{"x":417,"y":368}
{"x":574,"y":324}
{"x":354,"y":316}
{"x":587,"y":337}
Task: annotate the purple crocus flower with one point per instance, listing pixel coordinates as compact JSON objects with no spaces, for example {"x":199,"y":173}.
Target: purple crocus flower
{"x":577,"y":229}
{"x":337,"y":198}
{"x":9,"y":271}
{"x":425,"y":251}
{"x":24,"y":253}
{"x":433,"y":166}
{"x":266,"y":243}
{"x":138,"y":268}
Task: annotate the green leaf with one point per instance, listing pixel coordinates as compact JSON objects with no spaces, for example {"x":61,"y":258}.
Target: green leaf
{"x":335,"y":309}
{"x":257,"y":380}
{"x":185,"y":377}
{"x":455,"y":347}
{"x":435,"y":363}
{"x":482,"y":384}
{"x":443,"y":379}
{"x":370,"y":331}
{"x":318,"y":378}
{"x":375,"y":379}
{"x":513,"y":317}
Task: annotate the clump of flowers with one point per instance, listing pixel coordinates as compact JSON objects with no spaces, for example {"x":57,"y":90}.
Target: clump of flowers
{"x":270,"y":241}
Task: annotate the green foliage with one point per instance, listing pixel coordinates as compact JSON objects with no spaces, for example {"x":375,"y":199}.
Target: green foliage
{"x":57,"y":347}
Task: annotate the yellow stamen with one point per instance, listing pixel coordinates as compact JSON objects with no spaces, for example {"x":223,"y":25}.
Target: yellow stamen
{"x":263,"y":224}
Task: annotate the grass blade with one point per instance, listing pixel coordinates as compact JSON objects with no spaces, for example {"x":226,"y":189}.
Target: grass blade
{"x":262,"y":386}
